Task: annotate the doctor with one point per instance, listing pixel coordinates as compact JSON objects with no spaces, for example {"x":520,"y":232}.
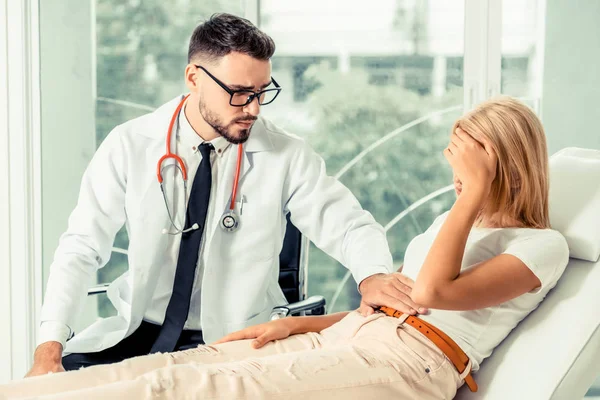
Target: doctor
{"x":203,"y":185}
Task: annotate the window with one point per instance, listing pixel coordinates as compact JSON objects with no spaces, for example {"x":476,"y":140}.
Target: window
{"x":521,"y":50}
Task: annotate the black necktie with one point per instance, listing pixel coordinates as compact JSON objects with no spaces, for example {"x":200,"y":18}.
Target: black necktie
{"x":179,"y":304}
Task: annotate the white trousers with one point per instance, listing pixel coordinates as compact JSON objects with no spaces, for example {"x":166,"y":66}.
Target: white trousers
{"x":373,"y":357}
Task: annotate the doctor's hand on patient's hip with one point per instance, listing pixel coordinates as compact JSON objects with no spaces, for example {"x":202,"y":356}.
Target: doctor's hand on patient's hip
{"x":390,"y":290}
{"x":47,"y":359}
{"x":263,"y":333}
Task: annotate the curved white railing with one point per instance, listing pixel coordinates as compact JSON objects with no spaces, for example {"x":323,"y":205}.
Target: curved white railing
{"x":125,"y":103}
{"x":385,"y":138}
{"x":392,"y":135}
{"x":119,"y":250}
{"x":416,"y":204}
{"x":413,"y":206}
{"x":390,"y":225}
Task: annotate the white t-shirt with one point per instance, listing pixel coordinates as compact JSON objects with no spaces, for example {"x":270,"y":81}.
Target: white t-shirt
{"x":478,"y":332}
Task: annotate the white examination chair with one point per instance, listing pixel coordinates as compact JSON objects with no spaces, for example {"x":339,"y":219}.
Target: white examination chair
{"x":555,"y":352}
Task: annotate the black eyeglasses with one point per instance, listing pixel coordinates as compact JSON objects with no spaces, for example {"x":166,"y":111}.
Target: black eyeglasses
{"x":240,"y":98}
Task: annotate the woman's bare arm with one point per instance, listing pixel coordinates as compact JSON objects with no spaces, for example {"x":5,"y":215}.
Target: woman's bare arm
{"x":314,"y":323}
{"x":440,"y":283}
{"x":282,"y":328}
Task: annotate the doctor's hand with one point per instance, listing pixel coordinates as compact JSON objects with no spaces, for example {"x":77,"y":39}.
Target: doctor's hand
{"x":47,"y":359}
{"x":390,"y":290}
{"x":263,"y":333}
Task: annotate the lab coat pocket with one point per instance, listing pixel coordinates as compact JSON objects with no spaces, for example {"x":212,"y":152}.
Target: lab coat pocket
{"x":258,"y":233}
{"x":239,"y":205}
{"x":247,"y":212}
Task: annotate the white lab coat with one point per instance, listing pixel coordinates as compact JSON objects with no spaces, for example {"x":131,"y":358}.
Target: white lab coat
{"x":280,"y":174}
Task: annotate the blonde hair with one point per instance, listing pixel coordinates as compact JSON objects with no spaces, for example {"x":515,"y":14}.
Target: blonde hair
{"x":519,"y":192}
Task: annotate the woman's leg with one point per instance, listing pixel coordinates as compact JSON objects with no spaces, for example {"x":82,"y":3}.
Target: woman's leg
{"x":135,"y":367}
{"x":377,"y":361}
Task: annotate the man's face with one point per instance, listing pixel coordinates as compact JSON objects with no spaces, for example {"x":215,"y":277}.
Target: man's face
{"x":238,"y":72}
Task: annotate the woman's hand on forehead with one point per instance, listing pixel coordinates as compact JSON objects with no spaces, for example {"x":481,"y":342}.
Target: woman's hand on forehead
{"x":477,"y":137}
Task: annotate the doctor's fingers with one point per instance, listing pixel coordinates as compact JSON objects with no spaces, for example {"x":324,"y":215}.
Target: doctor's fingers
{"x":365,"y":309}
{"x":407,"y":289}
{"x":400,"y":302}
{"x":405,"y":280}
{"x":403,"y":293}
{"x":402,"y":287}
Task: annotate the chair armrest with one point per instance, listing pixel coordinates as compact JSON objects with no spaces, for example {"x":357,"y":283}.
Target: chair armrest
{"x":97,"y":289}
{"x":315,"y":304}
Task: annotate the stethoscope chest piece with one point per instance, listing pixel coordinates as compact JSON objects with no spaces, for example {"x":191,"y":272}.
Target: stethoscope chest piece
{"x":229,"y":221}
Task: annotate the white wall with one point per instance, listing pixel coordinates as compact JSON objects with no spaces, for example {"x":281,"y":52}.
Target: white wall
{"x":67,"y":45}
{"x":571,"y":86}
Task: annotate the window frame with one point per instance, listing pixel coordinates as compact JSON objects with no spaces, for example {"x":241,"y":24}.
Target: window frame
{"x":20,"y":199}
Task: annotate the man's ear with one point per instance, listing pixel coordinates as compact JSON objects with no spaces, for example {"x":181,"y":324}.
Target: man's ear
{"x":191,"y":77}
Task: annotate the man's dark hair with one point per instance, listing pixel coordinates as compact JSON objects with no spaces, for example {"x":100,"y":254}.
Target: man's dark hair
{"x":226,"y":33}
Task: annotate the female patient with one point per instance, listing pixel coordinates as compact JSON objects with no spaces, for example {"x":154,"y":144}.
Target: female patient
{"x":481,"y":268}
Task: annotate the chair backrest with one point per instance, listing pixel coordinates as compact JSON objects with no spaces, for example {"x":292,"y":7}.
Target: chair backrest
{"x":290,"y":268}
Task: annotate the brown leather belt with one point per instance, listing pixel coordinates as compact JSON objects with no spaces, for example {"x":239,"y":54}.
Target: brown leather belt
{"x":442,"y":341}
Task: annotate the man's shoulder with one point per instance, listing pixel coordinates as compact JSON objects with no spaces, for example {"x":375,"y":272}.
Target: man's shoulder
{"x":281,"y":138}
{"x":275,"y":131}
{"x":136,"y":125}
{"x":153,"y":124}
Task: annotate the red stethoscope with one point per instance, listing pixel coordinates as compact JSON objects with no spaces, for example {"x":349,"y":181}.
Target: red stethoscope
{"x":229,"y":221}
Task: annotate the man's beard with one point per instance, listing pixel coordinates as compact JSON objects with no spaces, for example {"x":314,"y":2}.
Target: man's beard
{"x":225,"y":130}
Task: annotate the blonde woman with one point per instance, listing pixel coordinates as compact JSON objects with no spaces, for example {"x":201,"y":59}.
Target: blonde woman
{"x":480,"y":268}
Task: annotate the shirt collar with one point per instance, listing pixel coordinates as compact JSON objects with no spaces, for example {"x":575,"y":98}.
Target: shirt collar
{"x":220,"y":144}
{"x":191,"y":140}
